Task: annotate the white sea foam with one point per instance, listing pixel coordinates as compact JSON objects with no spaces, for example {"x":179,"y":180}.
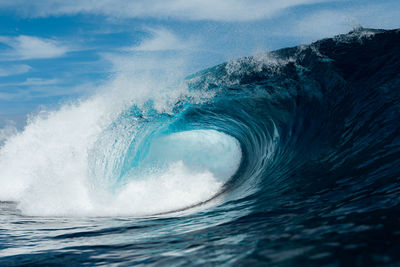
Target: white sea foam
{"x":45,"y":167}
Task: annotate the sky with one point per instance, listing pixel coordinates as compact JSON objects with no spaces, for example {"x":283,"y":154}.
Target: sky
{"x":55,"y":51}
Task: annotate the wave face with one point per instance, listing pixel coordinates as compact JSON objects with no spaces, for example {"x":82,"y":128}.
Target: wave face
{"x":289,"y":157}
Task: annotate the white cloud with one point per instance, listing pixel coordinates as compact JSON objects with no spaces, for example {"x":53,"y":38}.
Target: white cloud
{"x":223,"y":10}
{"x":326,"y":23}
{"x":162,"y":40}
{"x":39,"y":81}
{"x":32,"y":82}
{"x":14,"y":70}
{"x":33,"y":88}
{"x":30,"y":47}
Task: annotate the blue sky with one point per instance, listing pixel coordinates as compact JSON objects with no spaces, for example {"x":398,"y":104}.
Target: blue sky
{"x":53,"y":51}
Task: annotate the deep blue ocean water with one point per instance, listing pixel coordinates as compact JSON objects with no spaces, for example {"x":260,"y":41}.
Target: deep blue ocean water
{"x":291,"y":158}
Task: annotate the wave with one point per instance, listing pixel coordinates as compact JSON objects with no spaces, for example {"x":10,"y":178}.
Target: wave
{"x":309,"y":123}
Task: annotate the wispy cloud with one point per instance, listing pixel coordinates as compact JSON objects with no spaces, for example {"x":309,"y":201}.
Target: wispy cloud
{"x":329,"y":22}
{"x":324,"y":24}
{"x":162,"y":40}
{"x":14,"y":70}
{"x":30,"y":47}
{"x":35,"y":88}
{"x":226,"y":10}
{"x":39,"y":81}
{"x":31,"y":82}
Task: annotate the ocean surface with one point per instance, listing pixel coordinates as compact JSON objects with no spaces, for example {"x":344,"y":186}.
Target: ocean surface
{"x":286,"y":158}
